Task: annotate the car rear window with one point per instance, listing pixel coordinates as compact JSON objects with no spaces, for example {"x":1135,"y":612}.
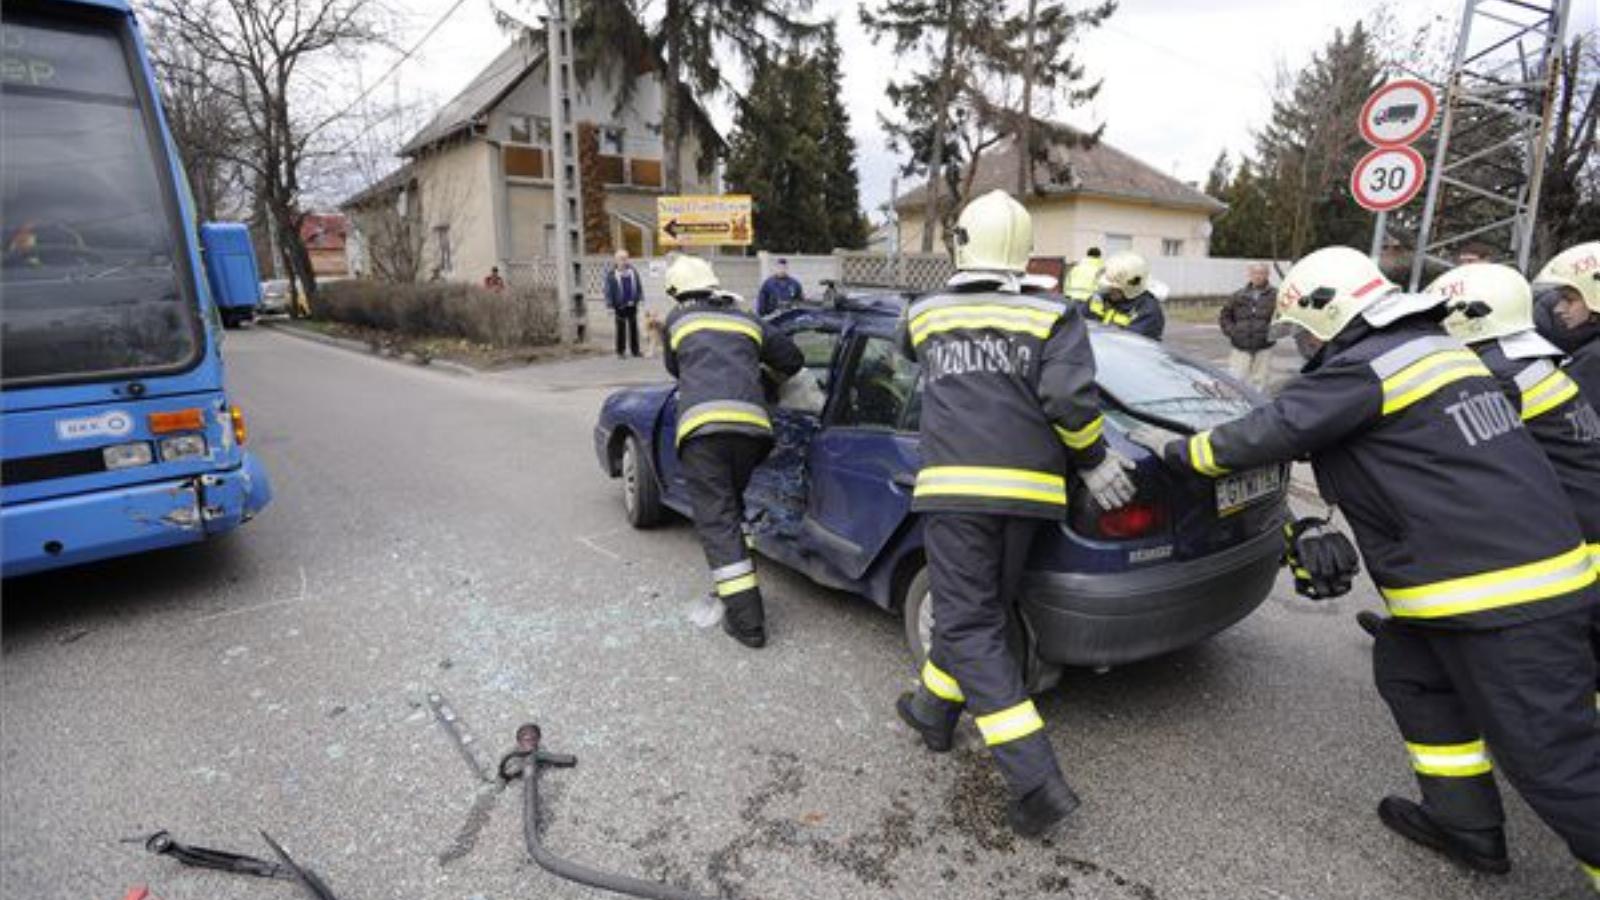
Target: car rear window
{"x":1151,"y":381}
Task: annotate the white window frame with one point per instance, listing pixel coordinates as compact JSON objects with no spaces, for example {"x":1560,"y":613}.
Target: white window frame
{"x":1172,"y":246}
{"x":441,"y":239}
{"x":1116,"y":243}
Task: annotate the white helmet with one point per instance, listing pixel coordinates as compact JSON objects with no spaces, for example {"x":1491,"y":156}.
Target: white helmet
{"x":994,"y":234}
{"x":1127,"y":272}
{"x":1327,"y":288}
{"x":1487,"y":300}
{"x":1577,"y":268}
{"x":690,"y":275}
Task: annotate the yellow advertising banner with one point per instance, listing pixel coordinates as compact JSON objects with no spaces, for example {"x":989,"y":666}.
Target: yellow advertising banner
{"x":711,"y":220}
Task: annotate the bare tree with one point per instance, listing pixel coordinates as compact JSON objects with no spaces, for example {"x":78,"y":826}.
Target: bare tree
{"x":1570,"y":200}
{"x":266,"y":48}
{"x":206,"y":127}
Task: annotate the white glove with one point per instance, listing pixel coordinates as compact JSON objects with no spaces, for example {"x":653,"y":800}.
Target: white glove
{"x":1108,"y":483}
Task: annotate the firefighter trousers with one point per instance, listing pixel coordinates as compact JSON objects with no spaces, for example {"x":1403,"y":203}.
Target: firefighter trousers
{"x":1520,"y":698}
{"x":975,"y":568}
{"x":716,"y":471}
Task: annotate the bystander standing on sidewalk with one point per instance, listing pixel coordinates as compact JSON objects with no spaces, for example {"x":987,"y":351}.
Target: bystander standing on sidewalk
{"x":624,"y":293}
{"x":780,"y":291}
{"x":1247,"y":321}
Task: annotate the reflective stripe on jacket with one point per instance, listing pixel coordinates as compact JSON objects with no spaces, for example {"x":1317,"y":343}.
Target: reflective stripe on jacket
{"x":1459,"y":518}
{"x":716,"y":351}
{"x":1008,"y":399}
{"x":1563,"y":421}
{"x":1141,"y":315}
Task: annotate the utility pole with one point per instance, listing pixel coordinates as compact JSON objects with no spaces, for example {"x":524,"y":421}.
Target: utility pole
{"x":1507,"y":57}
{"x":568,"y":192}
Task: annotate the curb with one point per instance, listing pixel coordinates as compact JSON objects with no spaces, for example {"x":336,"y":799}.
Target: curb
{"x":365,"y":349}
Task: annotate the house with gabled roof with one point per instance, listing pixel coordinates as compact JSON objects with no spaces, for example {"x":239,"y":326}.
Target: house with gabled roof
{"x":1096,"y":196}
{"x":476,"y":183}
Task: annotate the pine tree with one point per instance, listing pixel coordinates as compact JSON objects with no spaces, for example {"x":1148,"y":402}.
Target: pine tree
{"x":847,"y":227}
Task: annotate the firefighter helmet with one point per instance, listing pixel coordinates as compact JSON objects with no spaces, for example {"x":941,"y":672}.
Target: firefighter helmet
{"x":1327,"y":288}
{"x":1577,"y":268}
{"x":1126,"y":272}
{"x":1487,"y":300}
{"x":690,"y":275}
{"x":994,"y":234}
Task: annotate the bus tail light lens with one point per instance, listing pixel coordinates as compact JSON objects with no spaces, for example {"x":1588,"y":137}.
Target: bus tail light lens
{"x":239,"y":431}
{"x":128,"y":456}
{"x":182,"y":446}
{"x":177,"y":420}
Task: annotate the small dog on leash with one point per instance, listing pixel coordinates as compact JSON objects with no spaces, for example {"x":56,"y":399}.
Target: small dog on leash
{"x":655,"y":334}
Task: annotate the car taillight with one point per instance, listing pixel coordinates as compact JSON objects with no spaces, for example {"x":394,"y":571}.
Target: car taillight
{"x":1131,"y":521}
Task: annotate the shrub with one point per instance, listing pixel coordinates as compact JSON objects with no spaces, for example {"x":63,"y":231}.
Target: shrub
{"x":513,"y":318}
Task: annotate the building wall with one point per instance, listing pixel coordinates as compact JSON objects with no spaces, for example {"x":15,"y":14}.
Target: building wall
{"x":1069,"y":226}
{"x":453,"y":181}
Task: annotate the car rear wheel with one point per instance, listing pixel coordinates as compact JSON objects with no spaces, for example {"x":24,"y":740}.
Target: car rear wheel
{"x":641,"y":496}
{"x":916,"y":608}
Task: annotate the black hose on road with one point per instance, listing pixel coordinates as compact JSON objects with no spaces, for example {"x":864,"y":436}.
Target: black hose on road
{"x":525,"y":762}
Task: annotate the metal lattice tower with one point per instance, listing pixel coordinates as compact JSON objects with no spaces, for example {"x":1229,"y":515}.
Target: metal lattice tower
{"x":568,"y":194}
{"x":1495,"y":131}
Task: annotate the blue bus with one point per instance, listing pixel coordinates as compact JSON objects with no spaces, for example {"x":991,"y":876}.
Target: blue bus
{"x":118,"y":435}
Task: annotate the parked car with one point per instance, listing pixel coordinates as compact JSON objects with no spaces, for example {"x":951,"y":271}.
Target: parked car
{"x":275,"y":297}
{"x":1187,"y":559}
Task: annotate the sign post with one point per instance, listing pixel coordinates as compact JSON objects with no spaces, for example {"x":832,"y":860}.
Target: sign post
{"x":704,"y":221}
{"x":1387,"y":178}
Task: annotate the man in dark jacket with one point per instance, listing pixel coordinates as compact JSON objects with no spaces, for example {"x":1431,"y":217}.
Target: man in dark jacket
{"x":624,"y":292}
{"x":1125,"y":301}
{"x":1008,"y":405}
{"x":1575,"y":275}
{"x":717,"y":351}
{"x":779,"y":291}
{"x":1475,"y":548}
{"x":1246,"y":319}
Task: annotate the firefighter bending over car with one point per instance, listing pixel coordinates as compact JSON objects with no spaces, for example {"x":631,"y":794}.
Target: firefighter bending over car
{"x":1124,"y":299}
{"x":1464,"y":526}
{"x":1009,"y":404}
{"x":717,"y":352}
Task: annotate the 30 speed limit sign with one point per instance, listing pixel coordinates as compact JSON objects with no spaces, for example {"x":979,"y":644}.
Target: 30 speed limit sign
{"x":1387,"y":178}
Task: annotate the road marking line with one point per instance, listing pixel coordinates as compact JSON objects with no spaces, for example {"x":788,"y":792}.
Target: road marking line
{"x":589,"y":542}
{"x":271,"y":604}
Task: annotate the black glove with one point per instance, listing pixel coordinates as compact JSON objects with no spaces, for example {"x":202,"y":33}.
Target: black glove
{"x":1322,"y":559}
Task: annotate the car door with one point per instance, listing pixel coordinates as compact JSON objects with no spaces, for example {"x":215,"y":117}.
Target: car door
{"x":863,"y":462}
{"x":775,"y":502}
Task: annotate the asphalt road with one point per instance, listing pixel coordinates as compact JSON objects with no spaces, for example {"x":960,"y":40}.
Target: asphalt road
{"x":450,"y":534}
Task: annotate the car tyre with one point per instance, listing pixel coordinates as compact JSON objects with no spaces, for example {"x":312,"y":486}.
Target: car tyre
{"x":641,"y":495}
{"x":916,"y":612}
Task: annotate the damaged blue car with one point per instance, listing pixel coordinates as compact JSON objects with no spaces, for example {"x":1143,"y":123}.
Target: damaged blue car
{"x":1188,"y":558}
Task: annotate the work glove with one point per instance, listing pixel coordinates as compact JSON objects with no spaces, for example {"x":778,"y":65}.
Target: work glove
{"x":1108,"y":483}
{"x":1154,"y":438}
{"x":1322,"y":559}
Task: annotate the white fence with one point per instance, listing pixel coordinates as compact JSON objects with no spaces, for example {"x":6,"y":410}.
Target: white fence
{"x":1204,"y":276}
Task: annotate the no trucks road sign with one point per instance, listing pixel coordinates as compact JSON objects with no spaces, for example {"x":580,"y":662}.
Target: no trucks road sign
{"x":1398,"y":113}
{"x":1387,"y":178}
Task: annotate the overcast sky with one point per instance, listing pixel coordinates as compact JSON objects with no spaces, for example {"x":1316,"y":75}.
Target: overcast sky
{"x":1183,"y":79}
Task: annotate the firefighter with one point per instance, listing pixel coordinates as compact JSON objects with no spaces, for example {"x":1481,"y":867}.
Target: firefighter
{"x":716,"y":351}
{"x":1084,"y":276}
{"x":1124,"y":299}
{"x":1475,"y":549}
{"x":1575,"y":275}
{"x":1009,"y":404}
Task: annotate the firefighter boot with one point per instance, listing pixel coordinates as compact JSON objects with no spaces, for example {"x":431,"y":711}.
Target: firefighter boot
{"x":745,"y":619}
{"x":931,"y":717}
{"x":1482,"y":850}
{"x":1040,"y":810}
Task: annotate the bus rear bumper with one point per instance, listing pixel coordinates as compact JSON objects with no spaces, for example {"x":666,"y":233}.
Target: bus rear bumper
{"x":67,"y":531}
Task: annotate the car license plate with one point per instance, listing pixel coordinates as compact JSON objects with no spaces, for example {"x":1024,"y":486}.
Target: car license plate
{"x":1234,"y":492}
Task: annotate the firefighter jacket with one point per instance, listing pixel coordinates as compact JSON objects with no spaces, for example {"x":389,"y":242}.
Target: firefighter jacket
{"x":1008,"y":397}
{"x":1560,"y":418}
{"x":1084,"y":278}
{"x":1460,"y":519}
{"x":716,"y":352}
{"x":1141,"y":315}
{"x":1584,"y":366}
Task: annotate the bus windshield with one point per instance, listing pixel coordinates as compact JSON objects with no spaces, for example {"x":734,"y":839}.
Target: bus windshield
{"x":91,"y":279}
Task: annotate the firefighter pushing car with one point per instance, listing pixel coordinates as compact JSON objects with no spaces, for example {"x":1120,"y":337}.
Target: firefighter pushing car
{"x":1009,"y":409}
{"x":1473,"y":545}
